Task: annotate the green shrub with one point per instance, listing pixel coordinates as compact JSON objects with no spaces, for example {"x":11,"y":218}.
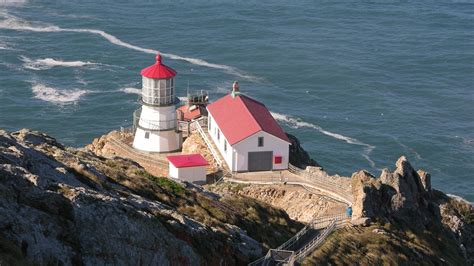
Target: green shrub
{"x":163,"y":182}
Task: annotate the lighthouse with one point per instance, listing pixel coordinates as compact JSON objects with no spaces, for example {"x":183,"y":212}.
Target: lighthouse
{"x":157,"y":127}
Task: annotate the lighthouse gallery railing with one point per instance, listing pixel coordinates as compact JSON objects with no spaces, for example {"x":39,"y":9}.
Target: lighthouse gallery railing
{"x":152,"y":124}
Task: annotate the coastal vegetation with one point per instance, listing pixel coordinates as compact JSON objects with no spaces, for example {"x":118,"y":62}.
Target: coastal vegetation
{"x":89,"y":209}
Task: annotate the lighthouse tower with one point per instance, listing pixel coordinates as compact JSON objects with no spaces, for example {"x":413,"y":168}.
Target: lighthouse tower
{"x":156,"y":130}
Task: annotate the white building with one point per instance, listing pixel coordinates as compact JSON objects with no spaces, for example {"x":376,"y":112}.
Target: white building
{"x":247,"y":135}
{"x":157,"y":127}
{"x":188,"y":167}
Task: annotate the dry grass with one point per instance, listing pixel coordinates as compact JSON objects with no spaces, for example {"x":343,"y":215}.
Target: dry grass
{"x":397,"y":246}
{"x":266,"y":224}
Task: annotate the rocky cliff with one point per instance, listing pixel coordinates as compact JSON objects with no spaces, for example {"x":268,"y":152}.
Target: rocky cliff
{"x":405,"y":198}
{"x":300,"y":203}
{"x":61,"y":205}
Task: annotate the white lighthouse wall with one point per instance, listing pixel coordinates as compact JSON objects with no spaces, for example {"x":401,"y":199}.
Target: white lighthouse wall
{"x":236,"y":156}
{"x":190,"y":174}
{"x":157,"y":141}
{"x":227,"y":155}
{"x":158,"y":117}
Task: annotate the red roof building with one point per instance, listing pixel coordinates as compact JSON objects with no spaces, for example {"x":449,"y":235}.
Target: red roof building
{"x":158,"y":70}
{"x":188,"y":113}
{"x":187,"y":160}
{"x":240,"y":117}
{"x":246,"y":134}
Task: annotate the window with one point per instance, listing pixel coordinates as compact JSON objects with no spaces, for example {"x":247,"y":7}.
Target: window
{"x":218,"y":135}
{"x":277,"y":159}
{"x":210,"y":127}
{"x":147,"y":135}
{"x":260,"y":141}
{"x":162,"y":84}
{"x":225,"y":145}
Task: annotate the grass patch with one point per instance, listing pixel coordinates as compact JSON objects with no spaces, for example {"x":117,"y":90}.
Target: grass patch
{"x":163,"y":182}
{"x":396,"y":246}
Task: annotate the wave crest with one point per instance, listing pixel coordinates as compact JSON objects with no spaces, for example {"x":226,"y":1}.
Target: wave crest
{"x":14,"y":23}
{"x":47,"y":63}
{"x":298,"y":123}
{"x":131,"y":90}
{"x":56,"y":96}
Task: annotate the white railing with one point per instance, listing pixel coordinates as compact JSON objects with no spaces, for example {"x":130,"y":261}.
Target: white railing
{"x":209,"y":145}
{"x":135,"y":155}
{"x":313,"y":244}
{"x":328,"y":222}
{"x":323,"y":182}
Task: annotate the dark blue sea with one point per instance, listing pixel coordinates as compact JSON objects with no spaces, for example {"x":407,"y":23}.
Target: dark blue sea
{"x":359,"y":82}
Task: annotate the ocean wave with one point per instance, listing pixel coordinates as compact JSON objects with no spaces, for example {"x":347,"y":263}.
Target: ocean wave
{"x":47,"y":63}
{"x":13,"y":23}
{"x":298,"y":123}
{"x":12,"y":2}
{"x":131,"y":90}
{"x":52,"y":95}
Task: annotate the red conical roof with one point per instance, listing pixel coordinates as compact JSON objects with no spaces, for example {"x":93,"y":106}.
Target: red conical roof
{"x":158,"y":70}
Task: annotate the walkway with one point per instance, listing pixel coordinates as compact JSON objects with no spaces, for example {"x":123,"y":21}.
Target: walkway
{"x":301,"y":244}
{"x":316,"y":231}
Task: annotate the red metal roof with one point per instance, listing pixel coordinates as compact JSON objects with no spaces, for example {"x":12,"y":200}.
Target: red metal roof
{"x":240,"y":117}
{"x":189,"y":114}
{"x":158,"y":70}
{"x":187,"y":160}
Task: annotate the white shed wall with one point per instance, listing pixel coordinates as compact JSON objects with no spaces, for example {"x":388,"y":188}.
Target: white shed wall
{"x":190,"y":174}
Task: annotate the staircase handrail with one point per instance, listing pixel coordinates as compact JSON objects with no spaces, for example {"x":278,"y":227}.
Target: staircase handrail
{"x":203,"y":134}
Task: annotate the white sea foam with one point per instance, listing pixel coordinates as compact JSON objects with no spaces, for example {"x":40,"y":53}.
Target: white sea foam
{"x":298,"y":123}
{"x":131,"y":90}
{"x":56,"y":96}
{"x":12,"y":2}
{"x":47,"y":63}
{"x":13,"y":23}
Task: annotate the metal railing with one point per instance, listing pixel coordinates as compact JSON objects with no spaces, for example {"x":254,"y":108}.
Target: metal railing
{"x":152,"y":124}
{"x":215,"y":154}
{"x":135,"y":155}
{"x":313,"y":244}
{"x":328,"y":223}
{"x":323,"y":182}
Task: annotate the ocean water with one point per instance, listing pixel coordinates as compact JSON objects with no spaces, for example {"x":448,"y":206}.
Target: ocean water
{"x":359,"y":82}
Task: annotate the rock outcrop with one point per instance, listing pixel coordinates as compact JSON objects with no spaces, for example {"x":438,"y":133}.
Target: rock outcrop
{"x":300,"y":203}
{"x":403,"y":194}
{"x":405,"y":197}
{"x":61,"y":205}
{"x":298,"y":156}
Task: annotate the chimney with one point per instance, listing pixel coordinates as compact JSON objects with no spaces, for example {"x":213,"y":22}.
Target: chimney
{"x":235,"y":89}
{"x":235,"y":86}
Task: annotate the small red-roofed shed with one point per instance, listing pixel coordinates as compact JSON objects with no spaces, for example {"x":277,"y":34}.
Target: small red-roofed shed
{"x":188,"y":167}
